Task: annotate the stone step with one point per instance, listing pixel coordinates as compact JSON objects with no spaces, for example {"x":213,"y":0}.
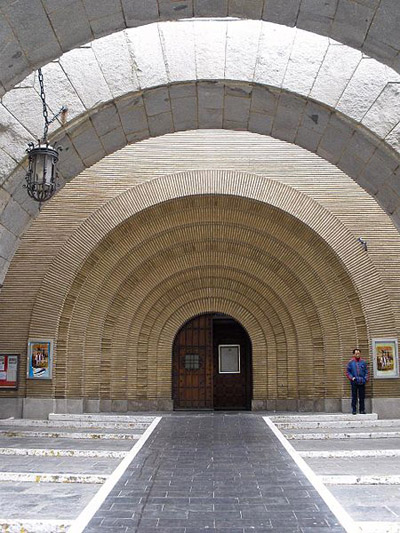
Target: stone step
{"x":336,"y":454}
{"x":52,"y":452}
{"x":28,"y":526}
{"x":336,"y":424}
{"x":360,"y":480}
{"x":327,"y":436}
{"x":70,"y":435}
{"x":322,"y":417}
{"x":23,"y":422}
{"x":379,"y":527}
{"x":43,"y":477}
{"x":104,"y":417}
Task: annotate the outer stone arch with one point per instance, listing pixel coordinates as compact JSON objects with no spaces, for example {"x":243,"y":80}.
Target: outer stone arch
{"x":372,"y":28}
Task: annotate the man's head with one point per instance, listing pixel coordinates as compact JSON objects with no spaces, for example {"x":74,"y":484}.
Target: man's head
{"x":357,"y":353}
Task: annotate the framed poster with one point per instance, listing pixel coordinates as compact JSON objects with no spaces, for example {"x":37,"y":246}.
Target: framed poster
{"x":229,"y":359}
{"x":385,"y":358}
{"x":9,"y":371}
{"x":40,"y":359}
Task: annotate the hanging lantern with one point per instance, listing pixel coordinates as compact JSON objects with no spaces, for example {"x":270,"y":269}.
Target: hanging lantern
{"x":41,"y":178}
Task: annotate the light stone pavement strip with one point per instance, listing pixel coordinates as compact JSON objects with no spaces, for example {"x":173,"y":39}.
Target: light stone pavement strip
{"x":74,"y":424}
{"x":362,"y":469}
{"x":377,"y":424}
{"x":47,"y":478}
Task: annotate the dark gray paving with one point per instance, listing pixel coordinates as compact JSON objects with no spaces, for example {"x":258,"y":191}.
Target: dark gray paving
{"x":225,"y":472}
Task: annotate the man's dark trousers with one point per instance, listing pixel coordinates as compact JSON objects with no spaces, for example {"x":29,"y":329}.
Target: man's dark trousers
{"x":357,"y":390}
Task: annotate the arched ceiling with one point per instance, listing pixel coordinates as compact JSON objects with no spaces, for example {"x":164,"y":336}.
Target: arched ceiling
{"x":35,"y":32}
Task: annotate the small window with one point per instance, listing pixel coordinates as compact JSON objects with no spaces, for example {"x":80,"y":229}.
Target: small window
{"x":192,"y":362}
{"x":229,"y":358}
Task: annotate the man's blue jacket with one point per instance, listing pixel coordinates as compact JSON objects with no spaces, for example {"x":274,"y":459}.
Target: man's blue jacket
{"x":357,"y":369}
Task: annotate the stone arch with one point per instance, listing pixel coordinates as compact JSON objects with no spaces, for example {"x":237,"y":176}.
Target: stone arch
{"x":371,"y":28}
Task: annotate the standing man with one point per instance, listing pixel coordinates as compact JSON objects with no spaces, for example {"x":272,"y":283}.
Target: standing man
{"x":357,"y":372}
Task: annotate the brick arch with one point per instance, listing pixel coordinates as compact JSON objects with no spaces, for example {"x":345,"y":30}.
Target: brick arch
{"x":107,"y":313}
{"x":369,"y":28}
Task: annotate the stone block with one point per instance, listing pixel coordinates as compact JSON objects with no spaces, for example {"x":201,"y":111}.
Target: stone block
{"x":114,"y":140}
{"x":4,"y":198}
{"x":160,"y":404}
{"x":161,"y":124}
{"x":337,"y":68}
{"x":106,"y":119}
{"x":108,"y":25}
{"x":273,"y":56}
{"x":37,"y":38}
{"x":14,"y":137}
{"x":184,"y":112}
{"x":305,"y":406}
{"x":85,"y":140}
{"x":105,"y":405}
{"x":179,"y":50}
{"x":26,"y":107}
{"x":69,"y":405}
{"x":97,"y":9}
{"x":211,"y":95}
{"x":11,"y":407}
{"x":132,"y":114}
{"x":114,"y":58}
{"x":13,"y":62}
{"x":334,"y":140}
{"x":60,"y":91}
{"x":157,"y":101}
{"x":94,"y":158}
{"x":316,"y":16}
{"x":281,"y":12}
{"x":173,"y":9}
{"x":388,"y":198}
{"x":70,"y":164}
{"x":8,"y":243}
{"x":38,"y":408}
{"x":333,"y":405}
{"x":148,"y":56}
{"x":362,"y":145}
{"x":210,"y":8}
{"x":7,"y":165}
{"x":119,"y":406}
{"x":251,"y":9}
{"x":66,"y":16}
{"x":137,"y":136}
{"x":351,"y":23}
{"x":264,"y":100}
{"x":351,"y":164}
{"x":386,"y":408}
{"x":15,"y":181}
{"x":184,"y":90}
{"x":140,"y":12}
{"x":210,"y":43}
{"x":237,"y":109}
{"x":385,"y":27}
{"x":308,"y":139}
{"x":393,"y":138}
{"x":91,"y":406}
{"x":91,"y":88}
{"x":288,"y":117}
{"x":365,"y":86}
{"x":315,"y":117}
{"x":210,"y":118}
{"x":260,"y":123}
{"x":384,"y":114}
{"x":305,"y":60}
{"x":4,"y":264}
{"x":14,"y":218}
{"x":241,"y":50}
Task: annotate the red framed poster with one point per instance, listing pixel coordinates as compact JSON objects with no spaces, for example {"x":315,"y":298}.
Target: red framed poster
{"x":9,"y":371}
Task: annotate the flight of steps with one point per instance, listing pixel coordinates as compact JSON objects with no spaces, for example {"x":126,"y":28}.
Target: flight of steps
{"x":357,"y":458}
{"x":51,"y":469}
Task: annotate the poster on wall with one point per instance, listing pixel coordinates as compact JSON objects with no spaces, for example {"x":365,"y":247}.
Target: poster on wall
{"x":9,"y":371}
{"x":385,"y":358}
{"x":40,"y":358}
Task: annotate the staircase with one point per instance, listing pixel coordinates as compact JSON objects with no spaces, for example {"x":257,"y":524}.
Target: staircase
{"x":51,"y":469}
{"x":357,"y":458}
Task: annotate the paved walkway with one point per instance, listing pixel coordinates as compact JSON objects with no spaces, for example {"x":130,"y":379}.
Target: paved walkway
{"x":224,"y":472}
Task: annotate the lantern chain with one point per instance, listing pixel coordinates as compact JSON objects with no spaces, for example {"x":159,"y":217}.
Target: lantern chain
{"x":47,"y":121}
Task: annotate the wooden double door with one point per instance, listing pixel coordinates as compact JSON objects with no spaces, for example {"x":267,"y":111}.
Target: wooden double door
{"x":212,"y":364}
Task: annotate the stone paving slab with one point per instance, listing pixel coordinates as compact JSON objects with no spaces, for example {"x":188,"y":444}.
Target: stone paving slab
{"x":359,"y":501}
{"x":65,"y":443}
{"x":216,"y":471}
{"x":50,"y":501}
{"x":356,"y":466}
{"x":56,"y":465}
{"x":342,"y":444}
